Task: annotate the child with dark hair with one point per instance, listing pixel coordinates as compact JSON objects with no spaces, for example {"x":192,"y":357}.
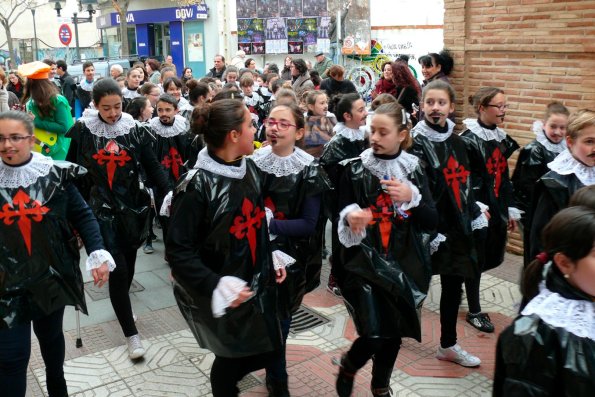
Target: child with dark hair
{"x":460,"y":221}
{"x":549,"y":350}
{"x":383,"y":267}
{"x":293,"y":188}
{"x":489,"y":148}
{"x":569,"y":171}
{"x":532,"y":163}
{"x":112,"y":146}
{"x":219,"y":250}
{"x":253,"y":101}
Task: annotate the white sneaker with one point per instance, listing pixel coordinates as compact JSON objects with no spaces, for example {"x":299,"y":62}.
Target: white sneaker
{"x":134,"y":317}
{"x":457,"y":355}
{"x":135,"y":347}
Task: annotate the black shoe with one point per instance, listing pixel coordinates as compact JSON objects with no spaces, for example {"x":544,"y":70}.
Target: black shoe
{"x":344,"y":383}
{"x":481,"y":321}
{"x":153,"y":237}
{"x":382,"y":392}
{"x":381,"y":380}
{"x":277,"y":388}
{"x":332,"y":286}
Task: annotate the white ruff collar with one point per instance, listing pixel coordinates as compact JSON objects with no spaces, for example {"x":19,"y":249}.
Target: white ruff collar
{"x":566,"y":164}
{"x":270,"y":163}
{"x":424,"y":129}
{"x":399,"y":168}
{"x":130,"y":94}
{"x":575,"y":316}
{"x":205,"y":162}
{"x":541,"y":138}
{"x":486,"y":134}
{"x":349,"y":133}
{"x":167,"y":131}
{"x":104,"y":130}
{"x":27,"y":174}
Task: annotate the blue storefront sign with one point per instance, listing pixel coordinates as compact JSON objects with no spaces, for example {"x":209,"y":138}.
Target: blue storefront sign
{"x":157,"y":15}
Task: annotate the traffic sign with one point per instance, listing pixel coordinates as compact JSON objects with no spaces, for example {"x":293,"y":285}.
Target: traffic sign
{"x":65,"y":34}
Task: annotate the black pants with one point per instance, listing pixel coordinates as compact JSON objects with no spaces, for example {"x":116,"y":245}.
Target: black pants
{"x":384,"y":351}
{"x":227,"y":372}
{"x":450,"y":299}
{"x":472,"y":290}
{"x":120,"y":281}
{"x":15,"y":349}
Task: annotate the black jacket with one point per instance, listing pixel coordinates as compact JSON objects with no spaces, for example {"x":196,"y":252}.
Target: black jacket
{"x":216,"y":74}
{"x":68,"y":89}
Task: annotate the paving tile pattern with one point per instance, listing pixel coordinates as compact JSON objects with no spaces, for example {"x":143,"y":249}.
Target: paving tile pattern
{"x":176,"y":366}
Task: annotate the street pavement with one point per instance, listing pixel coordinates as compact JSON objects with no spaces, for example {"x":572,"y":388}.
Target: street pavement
{"x":175,"y":365}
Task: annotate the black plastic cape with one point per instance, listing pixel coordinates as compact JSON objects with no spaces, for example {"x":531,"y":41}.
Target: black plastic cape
{"x":535,"y":359}
{"x":448,"y":172}
{"x":112,"y":185}
{"x":530,"y":166}
{"x":39,"y":258}
{"x":492,"y":186}
{"x":552,"y":193}
{"x":384,"y":279}
{"x":218,"y":228}
{"x":285,"y":196}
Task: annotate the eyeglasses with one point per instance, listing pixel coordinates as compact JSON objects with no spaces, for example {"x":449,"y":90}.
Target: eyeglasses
{"x":281,"y":125}
{"x":500,"y":107}
{"x":14,"y":139}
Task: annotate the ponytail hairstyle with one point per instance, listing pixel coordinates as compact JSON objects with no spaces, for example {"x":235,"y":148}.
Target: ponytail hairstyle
{"x":555,"y":108}
{"x":570,"y":232}
{"x":343,"y":104}
{"x":441,"y":85}
{"x":215,"y":120}
{"x":136,"y":106}
{"x":197,"y":90}
{"x":443,"y":58}
{"x":398,"y":114}
{"x":381,"y":100}
{"x":105,"y":87}
{"x":578,"y":121}
{"x":585,"y":196}
{"x":483,"y":97}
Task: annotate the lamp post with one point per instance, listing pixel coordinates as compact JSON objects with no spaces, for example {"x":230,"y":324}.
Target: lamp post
{"x":35,"y":35}
{"x":75,"y":19}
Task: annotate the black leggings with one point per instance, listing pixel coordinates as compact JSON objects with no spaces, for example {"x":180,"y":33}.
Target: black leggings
{"x":450,"y":299}
{"x":227,"y":372}
{"x":384,"y":351}
{"x":120,"y":281}
{"x":472,"y":289}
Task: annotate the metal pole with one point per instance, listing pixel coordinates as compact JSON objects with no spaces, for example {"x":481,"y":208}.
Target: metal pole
{"x":34,"y":34}
{"x":76,"y":34}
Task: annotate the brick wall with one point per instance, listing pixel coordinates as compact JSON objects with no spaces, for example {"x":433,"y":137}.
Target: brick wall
{"x":537,"y":51}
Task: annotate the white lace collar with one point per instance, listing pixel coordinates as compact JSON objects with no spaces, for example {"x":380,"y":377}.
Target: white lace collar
{"x":183,"y":103}
{"x":102,"y":129}
{"x":205,"y":162}
{"x":130,"y":94}
{"x":575,"y":316}
{"x":566,"y":164}
{"x":422,"y":128}
{"x":541,"y":138}
{"x":271,"y":163}
{"x":27,"y":174}
{"x":486,"y":134}
{"x":167,"y":131}
{"x":399,"y":167}
{"x":349,"y":133}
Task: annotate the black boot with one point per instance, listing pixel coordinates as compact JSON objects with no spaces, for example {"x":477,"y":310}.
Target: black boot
{"x":277,"y":388}
{"x":381,"y":380}
{"x":344,"y":384}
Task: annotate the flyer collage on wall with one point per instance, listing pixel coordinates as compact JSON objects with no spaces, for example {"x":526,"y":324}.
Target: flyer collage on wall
{"x":282,"y":26}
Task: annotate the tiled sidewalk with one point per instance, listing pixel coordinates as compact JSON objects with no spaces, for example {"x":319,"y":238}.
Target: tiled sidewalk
{"x":176,"y":366}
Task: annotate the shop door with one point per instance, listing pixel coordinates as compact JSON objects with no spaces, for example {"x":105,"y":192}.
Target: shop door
{"x":162,"y":40}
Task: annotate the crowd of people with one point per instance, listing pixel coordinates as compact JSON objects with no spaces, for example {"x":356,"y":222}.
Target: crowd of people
{"x":242,"y":169}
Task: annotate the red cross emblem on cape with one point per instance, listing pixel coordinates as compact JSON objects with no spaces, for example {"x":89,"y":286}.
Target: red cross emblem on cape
{"x":23,"y":210}
{"x":245,"y":225}
{"x":456,"y":177}
{"x":382,"y":213}
{"x":496,"y":165}
{"x":268,"y":202}
{"x":112,"y":157}
{"x":173,"y":161}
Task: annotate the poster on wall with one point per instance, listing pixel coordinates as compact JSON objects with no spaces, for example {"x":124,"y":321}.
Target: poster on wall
{"x":357,"y":38}
{"x":314,"y":8}
{"x":251,"y":35}
{"x":246,"y":9}
{"x":323,"y":43}
{"x":195,"y":48}
{"x":303,"y":30}
{"x":276,"y":36}
{"x":267,"y":8}
{"x":290,"y":8}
